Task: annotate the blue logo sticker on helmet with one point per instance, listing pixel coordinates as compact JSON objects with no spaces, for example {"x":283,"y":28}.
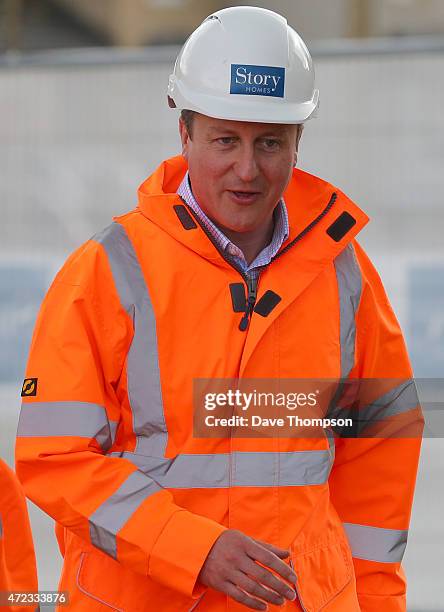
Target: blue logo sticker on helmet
{"x":257,"y":80}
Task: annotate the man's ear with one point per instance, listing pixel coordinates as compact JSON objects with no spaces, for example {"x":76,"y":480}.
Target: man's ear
{"x":299,"y":134}
{"x":298,"y":137}
{"x":184,"y":137}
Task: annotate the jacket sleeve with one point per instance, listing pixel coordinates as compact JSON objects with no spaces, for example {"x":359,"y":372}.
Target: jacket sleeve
{"x":18,"y":570}
{"x":72,"y":407}
{"x":373,"y":477}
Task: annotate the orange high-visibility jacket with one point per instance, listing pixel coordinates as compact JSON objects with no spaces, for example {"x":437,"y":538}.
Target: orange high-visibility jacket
{"x":105,"y":442}
{"x":18,"y":570}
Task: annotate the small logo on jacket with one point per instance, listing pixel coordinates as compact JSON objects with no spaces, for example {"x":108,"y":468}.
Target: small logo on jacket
{"x":257,"y":80}
{"x":29,"y":387}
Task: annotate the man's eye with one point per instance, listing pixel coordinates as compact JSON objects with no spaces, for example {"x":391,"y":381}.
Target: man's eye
{"x":270,"y":143}
{"x":225,"y":140}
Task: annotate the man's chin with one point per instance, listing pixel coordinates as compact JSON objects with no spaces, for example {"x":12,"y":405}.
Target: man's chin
{"x":239,"y":227}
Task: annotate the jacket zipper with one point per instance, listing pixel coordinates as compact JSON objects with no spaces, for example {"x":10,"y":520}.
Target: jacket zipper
{"x":310,"y":226}
{"x":296,"y":587}
{"x":251,"y":301}
{"x":194,"y":606}
{"x":252,"y":283}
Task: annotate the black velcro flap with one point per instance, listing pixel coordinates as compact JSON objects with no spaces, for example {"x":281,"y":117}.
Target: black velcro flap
{"x":238,"y":297}
{"x":267,"y":303}
{"x":341,"y":226}
{"x":184,"y":217}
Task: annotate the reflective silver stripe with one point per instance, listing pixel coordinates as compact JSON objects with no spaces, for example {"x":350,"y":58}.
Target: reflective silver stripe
{"x":82,"y":419}
{"x":400,"y":399}
{"x":284,"y":469}
{"x":107,"y":520}
{"x":349,"y":279}
{"x":331,"y":443}
{"x":113,"y":429}
{"x":376,"y":543}
{"x":1,"y":527}
{"x":144,"y":391}
{"x":238,"y":469}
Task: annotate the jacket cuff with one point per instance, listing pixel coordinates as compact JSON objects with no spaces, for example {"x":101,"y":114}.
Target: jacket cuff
{"x":180,"y":551}
{"x":388,"y":603}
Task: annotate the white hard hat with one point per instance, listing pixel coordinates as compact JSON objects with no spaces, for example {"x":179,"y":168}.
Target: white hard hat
{"x":245,"y":64}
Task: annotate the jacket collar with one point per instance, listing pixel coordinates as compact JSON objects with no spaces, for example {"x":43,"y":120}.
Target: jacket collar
{"x":306,"y":197}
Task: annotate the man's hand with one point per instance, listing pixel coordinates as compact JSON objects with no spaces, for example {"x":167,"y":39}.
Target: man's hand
{"x":231,"y":568}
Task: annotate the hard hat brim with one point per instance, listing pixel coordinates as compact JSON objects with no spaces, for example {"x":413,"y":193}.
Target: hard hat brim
{"x":243,"y":108}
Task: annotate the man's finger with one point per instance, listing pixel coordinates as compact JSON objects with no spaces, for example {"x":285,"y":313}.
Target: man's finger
{"x":269,"y":559}
{"x":239,"y":595}
{"x":267,"y":579}
{"x":282,"y":553}
{"x":256,"y":589}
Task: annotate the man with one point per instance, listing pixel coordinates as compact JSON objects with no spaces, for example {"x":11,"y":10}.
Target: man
{"x":234,"y":265}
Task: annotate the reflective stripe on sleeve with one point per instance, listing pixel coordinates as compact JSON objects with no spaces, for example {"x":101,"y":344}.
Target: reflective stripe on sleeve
{"x":79,"y":419}
{"x":144,"y":390}
{"x":240,"y":469}
{"x":349,"y":280}
{"x":398,"y":400}
{"x":107,"y":520}
{"x":376,"y":543}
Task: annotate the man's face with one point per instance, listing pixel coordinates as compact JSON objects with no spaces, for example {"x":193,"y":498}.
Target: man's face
{"x":239,"y":170}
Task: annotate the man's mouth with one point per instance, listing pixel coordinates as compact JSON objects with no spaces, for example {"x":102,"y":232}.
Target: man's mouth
{"x":244,"y":196}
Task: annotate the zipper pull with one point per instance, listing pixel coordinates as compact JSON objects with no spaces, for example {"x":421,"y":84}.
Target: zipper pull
{"x":251,"y":300}
{"x":244,"y":321}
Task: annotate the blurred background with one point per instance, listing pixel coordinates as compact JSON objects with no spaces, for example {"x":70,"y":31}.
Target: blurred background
{"x":83,"y":120}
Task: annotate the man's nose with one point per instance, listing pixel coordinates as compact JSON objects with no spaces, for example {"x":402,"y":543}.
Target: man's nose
{"x":246,"y":166}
